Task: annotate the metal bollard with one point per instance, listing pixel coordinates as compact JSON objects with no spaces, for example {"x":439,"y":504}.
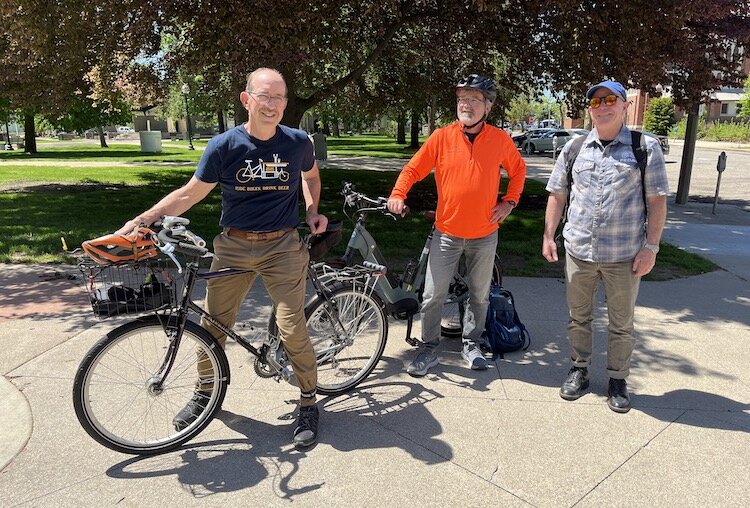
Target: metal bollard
{"x":721,"y":165}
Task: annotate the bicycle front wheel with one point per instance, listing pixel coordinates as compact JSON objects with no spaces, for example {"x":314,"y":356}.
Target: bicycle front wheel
{"x":124,"y":402}
{"x":348,"y":335}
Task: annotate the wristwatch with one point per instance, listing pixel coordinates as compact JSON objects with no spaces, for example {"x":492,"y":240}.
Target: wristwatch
{"x":653,"y":247}
{"x":512,"y":203}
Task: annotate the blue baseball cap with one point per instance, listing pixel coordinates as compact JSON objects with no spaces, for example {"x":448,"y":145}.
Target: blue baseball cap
{"x":616,"y":88}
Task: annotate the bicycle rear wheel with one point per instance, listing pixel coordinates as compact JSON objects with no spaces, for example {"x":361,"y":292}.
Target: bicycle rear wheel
{"x":348,"y":336}
{"x":452,"y":321}
{"x":119,"y":401}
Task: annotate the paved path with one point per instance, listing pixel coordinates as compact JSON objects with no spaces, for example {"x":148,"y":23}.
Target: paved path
{"x":454,"y":438}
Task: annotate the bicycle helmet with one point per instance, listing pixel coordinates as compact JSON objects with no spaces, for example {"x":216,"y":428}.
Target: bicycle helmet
{"x":481,"y":83}
{"x":111,"y":249}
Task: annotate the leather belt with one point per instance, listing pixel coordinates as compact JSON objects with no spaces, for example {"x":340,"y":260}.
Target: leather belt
{"x":257,"y":235}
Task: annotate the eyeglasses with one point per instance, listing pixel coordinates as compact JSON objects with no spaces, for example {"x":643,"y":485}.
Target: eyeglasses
{"x":469,"y":101}
{"x":609,"y":100}
{"x":268,"y":100}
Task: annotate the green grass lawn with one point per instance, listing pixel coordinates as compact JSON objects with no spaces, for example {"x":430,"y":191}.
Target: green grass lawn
{"x":68,"y":197}
{"x":371,"y":146}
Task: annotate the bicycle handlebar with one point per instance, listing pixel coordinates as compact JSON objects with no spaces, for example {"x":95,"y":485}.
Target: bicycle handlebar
{"x":175,"y":237}
{"x":365,"y":203}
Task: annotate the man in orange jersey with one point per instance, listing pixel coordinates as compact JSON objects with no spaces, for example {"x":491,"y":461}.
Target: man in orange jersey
{"x":467,"y":156}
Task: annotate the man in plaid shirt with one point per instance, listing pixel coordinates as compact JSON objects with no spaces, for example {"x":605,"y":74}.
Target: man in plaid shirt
{"x":609,"y":235}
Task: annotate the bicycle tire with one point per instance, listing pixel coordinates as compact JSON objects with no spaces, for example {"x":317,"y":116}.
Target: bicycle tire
{"x":117,"y":404}
{"x":451,"y":323}
{"x":366,"y":328}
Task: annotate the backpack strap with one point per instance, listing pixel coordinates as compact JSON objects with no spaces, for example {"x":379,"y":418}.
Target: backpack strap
{"x":570,"y":160}
{"x":638,"y":141}
{"x":575,"y":149}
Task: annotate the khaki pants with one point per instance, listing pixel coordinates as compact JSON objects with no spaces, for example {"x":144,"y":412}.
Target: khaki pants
{"x":282,"y":263}
{"x":620,"y":289}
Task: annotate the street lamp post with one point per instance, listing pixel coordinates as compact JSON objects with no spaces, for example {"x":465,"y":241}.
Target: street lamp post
{"x":185,"y":92}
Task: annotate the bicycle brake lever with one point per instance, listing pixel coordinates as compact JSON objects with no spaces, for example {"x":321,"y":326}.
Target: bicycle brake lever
{"x":168,"y":249}
{"x":197,"y":240}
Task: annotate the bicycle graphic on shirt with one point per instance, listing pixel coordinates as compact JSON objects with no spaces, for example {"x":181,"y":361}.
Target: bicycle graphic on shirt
{"x":264,"y":170}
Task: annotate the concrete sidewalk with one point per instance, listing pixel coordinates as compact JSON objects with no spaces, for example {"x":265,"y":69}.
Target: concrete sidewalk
{"x":502,"y":437}
{"x":453,"y":438}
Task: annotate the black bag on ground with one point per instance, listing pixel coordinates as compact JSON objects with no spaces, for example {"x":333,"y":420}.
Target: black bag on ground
{"x":503,"y":330}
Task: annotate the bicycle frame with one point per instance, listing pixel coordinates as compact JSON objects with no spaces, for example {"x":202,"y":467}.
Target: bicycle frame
{"x":187,"y":305}
{"x":362,"y":241}
{"x":404,"y":303}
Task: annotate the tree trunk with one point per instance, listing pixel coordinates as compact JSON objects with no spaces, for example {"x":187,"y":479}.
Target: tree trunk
{"x":688,"y":152}
{"x":415,"y":128}
{"x":295,"y":110}
{"x":401,"y":129}
{"x":29,"y":132}
{"x":432,"y":117}
{"x":220,"y":120}
{"x":240,"y":113}
{"x":335,"y":127}
{"x":102,"y":137}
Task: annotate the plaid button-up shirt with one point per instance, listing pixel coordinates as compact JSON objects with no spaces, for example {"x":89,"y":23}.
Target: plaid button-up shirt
{"x":606,"y":218}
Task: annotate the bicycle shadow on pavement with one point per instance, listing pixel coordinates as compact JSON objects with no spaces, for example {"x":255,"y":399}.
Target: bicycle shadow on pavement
{"x":361,"y":415}
{"x":227,"y":465}
{"x":368,"y":417}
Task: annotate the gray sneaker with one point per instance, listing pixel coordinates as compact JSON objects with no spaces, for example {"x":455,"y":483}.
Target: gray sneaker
{"x":474,"y":356}
{"x":425,"y":359}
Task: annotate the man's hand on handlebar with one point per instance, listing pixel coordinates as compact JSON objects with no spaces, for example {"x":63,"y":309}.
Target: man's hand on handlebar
{"x":317,"y":222}
{"x":130,"y":225}
{"x":397,"y":206}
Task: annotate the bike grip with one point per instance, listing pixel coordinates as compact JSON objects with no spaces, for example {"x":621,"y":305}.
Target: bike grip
{"x":375,"y":267}
{"x":191,"y":250}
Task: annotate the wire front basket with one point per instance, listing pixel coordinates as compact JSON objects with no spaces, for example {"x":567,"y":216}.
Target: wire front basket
{"x":131,"y":288}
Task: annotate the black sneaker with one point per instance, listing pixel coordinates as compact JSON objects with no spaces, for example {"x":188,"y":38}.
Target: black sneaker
{"x":192,"y":410}
{"x":306,"y":430}
{"x":577,"y":380}
{"x":619,"y":399}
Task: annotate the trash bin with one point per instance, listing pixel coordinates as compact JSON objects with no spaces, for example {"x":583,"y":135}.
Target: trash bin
{"x":150,"y":141}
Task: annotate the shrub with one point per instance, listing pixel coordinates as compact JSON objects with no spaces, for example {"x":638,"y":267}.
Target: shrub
{"x":727,"y":131}
{"x":659,"y":116}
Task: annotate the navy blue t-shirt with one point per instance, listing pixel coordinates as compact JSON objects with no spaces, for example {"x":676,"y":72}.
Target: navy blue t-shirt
{"x":260,"y":180}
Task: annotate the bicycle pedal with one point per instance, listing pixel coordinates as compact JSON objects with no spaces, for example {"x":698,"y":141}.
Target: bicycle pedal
{"x":413,"y":341}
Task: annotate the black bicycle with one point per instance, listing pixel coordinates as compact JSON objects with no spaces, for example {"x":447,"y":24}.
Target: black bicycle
{"x":133,"y":381}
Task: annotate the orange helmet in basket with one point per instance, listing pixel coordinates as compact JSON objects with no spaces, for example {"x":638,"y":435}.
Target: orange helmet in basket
{"x":111,"y":249}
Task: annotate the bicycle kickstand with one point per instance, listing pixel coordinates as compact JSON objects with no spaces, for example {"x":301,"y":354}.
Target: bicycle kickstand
{"x":412,"y":341}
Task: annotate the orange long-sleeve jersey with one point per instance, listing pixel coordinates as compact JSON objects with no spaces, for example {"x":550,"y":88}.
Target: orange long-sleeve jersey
{"x":467,"y":176}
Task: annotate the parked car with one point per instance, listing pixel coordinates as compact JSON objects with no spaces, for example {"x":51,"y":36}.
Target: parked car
{"x":663,"y":141}
{"x":124,"y":130}
{"x":546,"y":142}
{"x":520,"y":139}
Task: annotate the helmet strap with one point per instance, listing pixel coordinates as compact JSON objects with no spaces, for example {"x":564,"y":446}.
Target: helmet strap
{"x":469,"y":127}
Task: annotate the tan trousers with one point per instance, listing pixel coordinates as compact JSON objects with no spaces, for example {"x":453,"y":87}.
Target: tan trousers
{"x":282,"y":264}
{"x":621,"y":290}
